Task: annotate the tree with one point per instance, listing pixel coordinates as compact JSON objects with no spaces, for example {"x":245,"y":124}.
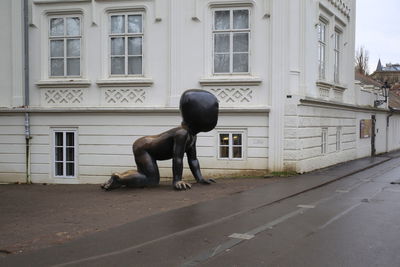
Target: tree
{"x":362,"y":58}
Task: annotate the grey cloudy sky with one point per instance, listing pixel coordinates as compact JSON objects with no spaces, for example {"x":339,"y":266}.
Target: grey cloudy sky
{"x":378,"y":30}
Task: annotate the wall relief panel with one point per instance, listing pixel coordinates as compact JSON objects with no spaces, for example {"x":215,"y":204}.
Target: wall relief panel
{"x":124,"y":96}
{"x":233,"y":95}
{"x":62,"y":97}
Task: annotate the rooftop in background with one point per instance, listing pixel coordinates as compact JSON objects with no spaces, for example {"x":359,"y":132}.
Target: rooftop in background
{"x":394,"y":96}
{"x":389,"y":67}
{"x":390,"y":73}
{"x":366,"y":80}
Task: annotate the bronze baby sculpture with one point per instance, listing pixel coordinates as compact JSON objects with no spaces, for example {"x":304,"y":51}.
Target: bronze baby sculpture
{"x":199,"y":111}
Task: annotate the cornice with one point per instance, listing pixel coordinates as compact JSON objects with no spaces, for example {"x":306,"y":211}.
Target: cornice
{"x":160,"y":110}
{"x":221,"y":81}
{"x":335,"y":105}
{"x":341,"y":6}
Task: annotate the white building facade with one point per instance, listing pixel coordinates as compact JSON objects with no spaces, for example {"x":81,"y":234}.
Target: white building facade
{"x":103,"y":73}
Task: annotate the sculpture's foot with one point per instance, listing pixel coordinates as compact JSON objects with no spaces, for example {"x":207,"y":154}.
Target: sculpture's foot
{"x":181,"y":185}
{"x":111,"y":184}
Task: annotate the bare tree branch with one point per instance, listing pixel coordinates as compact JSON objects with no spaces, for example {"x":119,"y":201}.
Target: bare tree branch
{"x":361,"y":60}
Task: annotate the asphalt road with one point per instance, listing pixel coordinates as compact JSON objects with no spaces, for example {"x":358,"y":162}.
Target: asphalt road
{"x":354,"y":221}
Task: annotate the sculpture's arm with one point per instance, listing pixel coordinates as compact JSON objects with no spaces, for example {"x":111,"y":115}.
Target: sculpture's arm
{"x":195,"y":165}
{"x":177,"y":160}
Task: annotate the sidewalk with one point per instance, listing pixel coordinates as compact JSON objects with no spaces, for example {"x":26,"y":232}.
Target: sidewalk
{"x":131,"y":233}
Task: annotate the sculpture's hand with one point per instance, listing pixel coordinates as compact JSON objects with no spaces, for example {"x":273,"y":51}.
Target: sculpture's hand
{"x":181,"y":185}
{"x":206,"y":181}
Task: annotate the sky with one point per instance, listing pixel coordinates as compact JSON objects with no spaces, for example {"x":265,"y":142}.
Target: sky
{"x":378,"y":30}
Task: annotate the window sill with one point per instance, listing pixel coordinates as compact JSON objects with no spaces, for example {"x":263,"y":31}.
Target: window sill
{"x":38,"y":2}
{"x":72,"y":83}
{"x":142,"y":82}
{"x":325,"y":84}
{"x":229,"y":80}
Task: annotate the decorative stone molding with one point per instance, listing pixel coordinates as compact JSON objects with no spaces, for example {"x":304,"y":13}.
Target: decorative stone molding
{"x":324,"y":92}
{"x":267,"y":9}
{"x":342,"y":6}
{"x":233,"y":95}
{"x":62,"y":97}
{"x":325,"y":89}
{"x":41,"y":2}
{"x":221,"y":81}
{"x":338,"y":95}
{"x":138,"y":82}
{"x":147,"y":109}
{"x":124,"y":96}
{"x":63,"y":84}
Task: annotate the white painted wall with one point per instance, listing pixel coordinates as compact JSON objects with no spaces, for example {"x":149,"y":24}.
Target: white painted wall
{"x":312,"y":120}
{"x":311,"y":12}
{"x":11,"y":51}
{"x":105,"y":144}
{"x":12,"y":148}
{"x":177,"y":54}
{"x":5,"y":48}
{"x":393,"y":132}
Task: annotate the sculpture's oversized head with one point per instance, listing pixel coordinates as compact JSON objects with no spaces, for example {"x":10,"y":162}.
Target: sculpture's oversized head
{"x":199,"y":110}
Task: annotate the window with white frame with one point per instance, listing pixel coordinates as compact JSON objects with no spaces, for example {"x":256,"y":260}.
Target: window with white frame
{"x":65,"y":38}
{"x":230,"y":145}
{"x":65,"y":151}
{"x":324,"y":140}
{"x":321,"y":29}
{"x":336,"y":50}
{"x":126,"y":44}
{"x":338,"y":138}
{"x":231,"y":37}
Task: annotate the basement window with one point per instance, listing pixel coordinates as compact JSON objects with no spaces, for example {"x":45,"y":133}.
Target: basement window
{"x":230,"y":145}
{"x":64,"y":153}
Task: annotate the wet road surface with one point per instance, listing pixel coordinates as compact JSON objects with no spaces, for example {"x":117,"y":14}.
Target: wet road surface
{"x":354,"y":221}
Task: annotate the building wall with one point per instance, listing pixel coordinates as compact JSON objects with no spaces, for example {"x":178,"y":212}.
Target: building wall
{"x":5,"y":47}
{"x":12,"y":140}
{"x":12,"y":148}
{"x":304,"y":138}
{"x":177,"y":56}
{"x":393,"y":132}
{"x":336,"y":16}
{"x":105,"y":144}
{"x":11,"y":53}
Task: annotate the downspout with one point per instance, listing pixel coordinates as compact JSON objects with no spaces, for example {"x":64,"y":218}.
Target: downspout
{"x":387,"y":127}
{"x":26,"y":98}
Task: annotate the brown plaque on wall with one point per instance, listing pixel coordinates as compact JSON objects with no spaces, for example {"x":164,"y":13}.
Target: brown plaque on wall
{"x":365,"y":128}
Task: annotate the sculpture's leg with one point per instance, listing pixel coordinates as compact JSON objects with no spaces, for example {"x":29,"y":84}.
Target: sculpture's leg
{"x":146,"y":175}
{"x":147,"y":166}
{"x":129,"y":178}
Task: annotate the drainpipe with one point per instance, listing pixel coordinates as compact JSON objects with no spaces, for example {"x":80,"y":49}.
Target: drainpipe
{"x":26,"y":98}
{"x":387,"y":127}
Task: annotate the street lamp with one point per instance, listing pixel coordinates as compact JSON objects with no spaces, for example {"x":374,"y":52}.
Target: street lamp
{"x":385,"y":92}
